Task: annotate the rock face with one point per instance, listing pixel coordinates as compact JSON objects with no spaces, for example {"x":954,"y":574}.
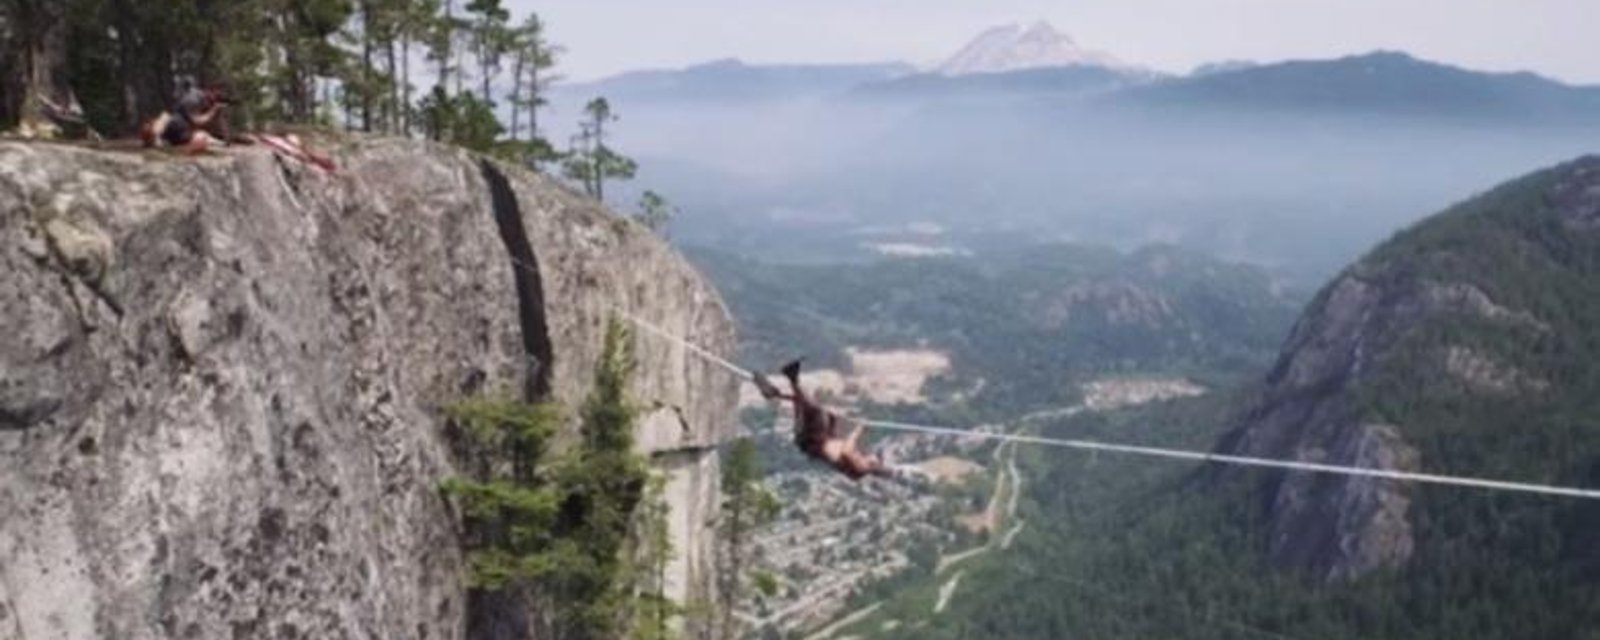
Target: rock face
{"x":1477,"y":307}
{"x":222,"y":380}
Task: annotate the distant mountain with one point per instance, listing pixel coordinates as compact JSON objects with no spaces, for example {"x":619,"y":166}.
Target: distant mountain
{"x":1376,"y":83}
{"x":1060,"y":81}
{"x":1015,"y":47}
{"x":1223,"y":67}
{"x":732,"y":80}
{"x":1038,"y":60}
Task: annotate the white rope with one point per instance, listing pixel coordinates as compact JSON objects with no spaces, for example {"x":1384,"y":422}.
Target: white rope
{"x":1294,"y":465}
{"x":1161,"y":452}
{"x":696,"y":349}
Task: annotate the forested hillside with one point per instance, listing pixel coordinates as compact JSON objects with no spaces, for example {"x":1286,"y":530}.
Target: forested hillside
{"x":1027,"y":325}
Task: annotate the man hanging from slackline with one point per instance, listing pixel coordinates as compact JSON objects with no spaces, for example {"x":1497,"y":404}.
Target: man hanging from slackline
{"x":817,"y":431}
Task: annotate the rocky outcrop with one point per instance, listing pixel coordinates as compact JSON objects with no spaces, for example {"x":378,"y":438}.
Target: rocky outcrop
{"x":221,"y":384}
{"x":1333,"y":526}
{"x":1442,"y":316}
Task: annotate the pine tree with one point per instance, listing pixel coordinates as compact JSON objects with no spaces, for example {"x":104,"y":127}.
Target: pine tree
{"x":441,"y":31}
{"x":653,"y":611}
{"x":654,"y":212}
{"x":745,"y":506}
{"x":583,"y":531}
{"x":532,"y":55}
{"x":489,"y":36}
{"x":507,"y":504}
{"x":414,"y":24}
{"x":365,"y":78}
{"x":591,"y":162}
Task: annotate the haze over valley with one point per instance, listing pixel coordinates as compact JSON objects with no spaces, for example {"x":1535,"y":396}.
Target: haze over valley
{"x":1024,"y":136}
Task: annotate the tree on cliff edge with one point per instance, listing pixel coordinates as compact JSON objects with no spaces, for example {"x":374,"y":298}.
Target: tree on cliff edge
{"x":591,"y":161}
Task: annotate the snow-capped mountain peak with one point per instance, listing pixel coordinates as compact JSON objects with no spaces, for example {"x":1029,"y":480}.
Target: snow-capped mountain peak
{"x":1016,"y":46}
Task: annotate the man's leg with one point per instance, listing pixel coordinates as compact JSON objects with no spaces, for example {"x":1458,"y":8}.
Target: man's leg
{"x":862,"y":464}
{"x":792,"y":372}
{"x":855,"y":435}
{"x":767,"y":389}
{"x":199,"y":142}
{"x":877,"y":464}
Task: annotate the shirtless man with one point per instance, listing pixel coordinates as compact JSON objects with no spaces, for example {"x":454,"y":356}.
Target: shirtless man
{"x":817,"y":430}
{"x":187,"y":125}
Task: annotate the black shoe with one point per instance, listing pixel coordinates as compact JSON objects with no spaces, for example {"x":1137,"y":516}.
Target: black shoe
{"x":792,"y":370}
{"x":764,"y":385}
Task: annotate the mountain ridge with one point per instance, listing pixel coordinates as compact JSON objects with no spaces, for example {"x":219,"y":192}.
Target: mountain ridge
{"x":1389,"y":82}
{"x":1383,"y":81}
{"x":1409,"y":357}
{"x":731,"y":78}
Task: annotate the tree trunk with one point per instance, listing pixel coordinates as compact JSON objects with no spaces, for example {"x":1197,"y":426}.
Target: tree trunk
{"x":484,"y":62}
{"x":454,"y":51}
{"x":599,"y":159}
{"x":446,"y":43}
{"x":290,"y":93}
{"x":152,"y":56}
{"x":42,"y":33}
{"x":730,"y":575}
{"x":533,"y":97}
{"x":497,"y":615}
{"x":460,"y":65}
{"x":327,"y":96}
{"x":405,"y":84}
{"x":347,"y":103}
{"x":392,"y":120}
{"x":11,"y":79}
{"x":366,"y":67}
{"x":305,"y":96}
{"x":516,"y":97}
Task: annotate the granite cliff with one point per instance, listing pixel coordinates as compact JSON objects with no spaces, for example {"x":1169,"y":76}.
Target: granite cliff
{"x":222,"y":378}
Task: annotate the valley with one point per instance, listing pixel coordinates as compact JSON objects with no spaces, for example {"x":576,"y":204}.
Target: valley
{"x":836,"y":541}
{"x":1051,"y":543}
{"x":1128,"y":548}
{"x":840,"y":548}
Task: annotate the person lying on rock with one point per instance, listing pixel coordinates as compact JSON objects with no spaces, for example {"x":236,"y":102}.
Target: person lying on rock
{"x":817,"y":430}
{"x":188,"y":124}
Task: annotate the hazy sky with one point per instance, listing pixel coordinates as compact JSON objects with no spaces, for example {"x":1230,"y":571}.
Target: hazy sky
{"x":1559,"y":38}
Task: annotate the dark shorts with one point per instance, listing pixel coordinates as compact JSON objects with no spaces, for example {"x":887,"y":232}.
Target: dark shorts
{"x":178,"y":131}
{"x":814,"y":426}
